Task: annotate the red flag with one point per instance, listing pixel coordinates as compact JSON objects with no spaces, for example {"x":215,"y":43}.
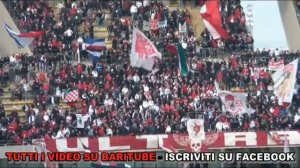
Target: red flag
{"x":212,"y":19}
{"x":33,"y":34}
{"x":168,"y":147}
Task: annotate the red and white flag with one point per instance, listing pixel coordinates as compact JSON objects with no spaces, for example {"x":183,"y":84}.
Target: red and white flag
{"x":40,"y":147}
{"x":23,"y":39}
{"x":167,"y":146}
{"x":72,"y":96}
{"x":212,"y":19}
{"x":143,"y":51}
{"x":275,"y":65}
{"x":235,"y":103}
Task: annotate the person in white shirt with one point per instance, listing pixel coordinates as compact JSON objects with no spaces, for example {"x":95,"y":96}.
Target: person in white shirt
{"x":74,"y":4}
{"x":297,"y":116}
{"x":12,"y":59}
{"x":26,"y":88}
{"x":68,"y":34}
{"x":139,"y":4}
{"x":146,"y":3}
{"x":109,"y":131}
{"x":133,"y":11}
{"x":136,"y":78}
{"x":276,"y":52}
{"x":168,"y":129}
{"x":31,"y":118}
{"x":125,"y":90}
{"x":252,"y":125}
{"x":95,"y":74}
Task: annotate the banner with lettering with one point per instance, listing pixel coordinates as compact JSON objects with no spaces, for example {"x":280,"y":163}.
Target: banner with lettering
{"x":212,"y":140}
{"x":154,"y":25}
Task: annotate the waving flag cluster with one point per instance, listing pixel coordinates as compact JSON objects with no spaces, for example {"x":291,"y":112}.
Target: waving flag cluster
{"x":212,"y":19}
{"x":23,"y":39}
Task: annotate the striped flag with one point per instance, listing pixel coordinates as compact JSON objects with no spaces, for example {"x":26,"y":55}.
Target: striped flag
{"x":72,"y":96}
{"x":23,"y":39}
{"x":212,"y":19}
{"x":176,"y":49}
{"x":94,"y":46}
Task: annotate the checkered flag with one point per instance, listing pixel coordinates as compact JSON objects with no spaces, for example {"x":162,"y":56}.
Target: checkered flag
{"x":72,"y":96}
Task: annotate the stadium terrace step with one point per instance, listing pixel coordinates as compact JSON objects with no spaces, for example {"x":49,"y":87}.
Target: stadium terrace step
{"x":20,"y":114}
{"x":100,"y":35}
{"x":7,"y":96}
{"x":13,"y":108}
{"x":18,"y":108}
{"x":197,"y":22}
{"x":8,"y":102}
{"x":100,"y":29}
{"x":107,"y":41}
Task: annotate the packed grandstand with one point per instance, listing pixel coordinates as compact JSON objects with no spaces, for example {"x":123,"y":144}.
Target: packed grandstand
{"x":66,"y":79}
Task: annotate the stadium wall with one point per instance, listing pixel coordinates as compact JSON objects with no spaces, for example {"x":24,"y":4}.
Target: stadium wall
{"x":7,"y":44}
{"x":290,"y":23}
{"x":23,"y":148}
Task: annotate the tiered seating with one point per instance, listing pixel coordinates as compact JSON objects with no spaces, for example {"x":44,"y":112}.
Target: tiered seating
{"x":101,"y":31}
{"x":17,"y":105}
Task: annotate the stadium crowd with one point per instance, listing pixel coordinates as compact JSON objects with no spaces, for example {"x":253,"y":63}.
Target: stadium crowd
{"x":117,"y":99}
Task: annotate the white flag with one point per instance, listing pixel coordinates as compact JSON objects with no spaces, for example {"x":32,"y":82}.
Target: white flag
{"x":195,"y":128}
{"x":182,"y":28}
{"x":235,"y":103}
{"x":143,"y":52}
{"x":284,"y":82}
{"x":80,"y":122}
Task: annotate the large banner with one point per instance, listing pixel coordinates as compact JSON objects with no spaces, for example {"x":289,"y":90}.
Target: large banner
{"x":212,"y":140}
{"x":275,"y":65}
{"x":284,"y":82}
